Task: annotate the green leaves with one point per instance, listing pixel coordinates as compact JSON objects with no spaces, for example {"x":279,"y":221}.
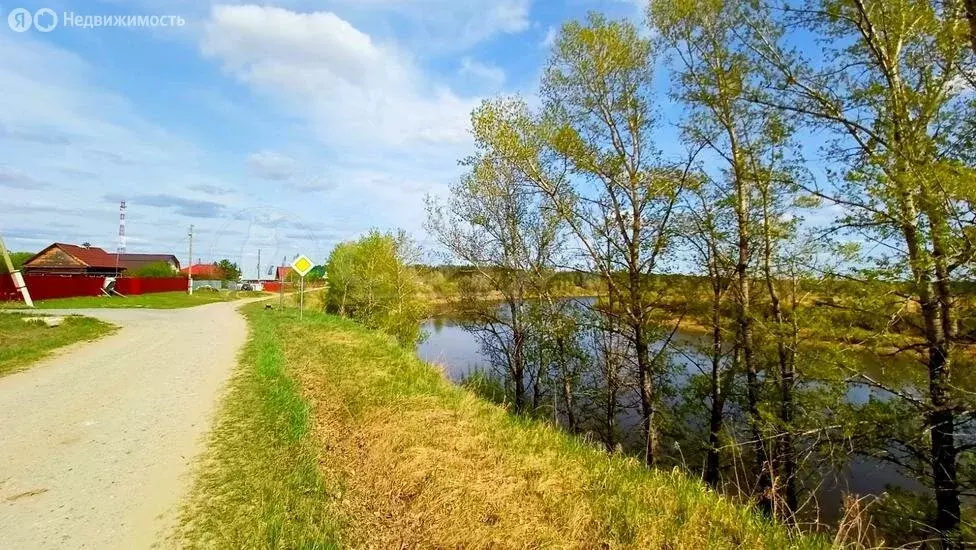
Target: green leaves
{"x":229,"y":269}
{"x":372,"y":281}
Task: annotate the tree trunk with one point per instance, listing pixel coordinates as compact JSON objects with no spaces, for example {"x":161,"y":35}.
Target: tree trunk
{"x":610,"y":419}
{"x":569,"y":404}
{"x":938,"y":327}
{"x":716,"y":412}
{"x":942,"y":420}
{"x":944,"y":451}
{"x":646,"y":396}
{"x":611,"y":366}
{"x":644,"y":374}
{"x":936,"y":303}
{"x":764,"y":480}
{"x":784,"y":459}
{"x":537,"y":379}
{"x":786,"y":462}
{"x":518,"y":357}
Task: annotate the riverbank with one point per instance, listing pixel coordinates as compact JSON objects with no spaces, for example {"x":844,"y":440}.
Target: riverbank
{"x":333,"y":436}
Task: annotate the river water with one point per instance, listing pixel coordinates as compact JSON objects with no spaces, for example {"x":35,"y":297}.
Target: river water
{"x":458,"y":353}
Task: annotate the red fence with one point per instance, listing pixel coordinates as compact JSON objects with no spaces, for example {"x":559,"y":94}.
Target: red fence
{"x":46,"y":287}
{"x":275,"y":286}
{"x":147,"y":285}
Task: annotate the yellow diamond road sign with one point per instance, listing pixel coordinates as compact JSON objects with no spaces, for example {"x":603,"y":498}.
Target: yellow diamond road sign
{"x":302,"y":266}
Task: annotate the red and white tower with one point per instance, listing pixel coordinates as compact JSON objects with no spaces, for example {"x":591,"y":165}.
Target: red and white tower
{"x":121,"y":249}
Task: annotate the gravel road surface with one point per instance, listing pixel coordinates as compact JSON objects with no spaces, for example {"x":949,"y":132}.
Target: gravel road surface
{"x":98,"y":441}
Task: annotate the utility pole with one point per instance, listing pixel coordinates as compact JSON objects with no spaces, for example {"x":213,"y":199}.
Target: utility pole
{"x":189,"y":269}
{"x":15,"y":275}
{"x":281,"y":285}
{"x":259,"y":265}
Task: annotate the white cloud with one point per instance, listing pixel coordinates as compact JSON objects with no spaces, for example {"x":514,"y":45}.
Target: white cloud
{"x":490,"y":74}
{"x":550,"y":39}
{"x":66,"y":143}
{"x":312,"y":185}
{"x":503,"y":17}
{"x":17,"y":179}
{"x":357,"y":132}
{"x":272,"y":166}
{"x":440,"y":26}
{"x":354,"y":91}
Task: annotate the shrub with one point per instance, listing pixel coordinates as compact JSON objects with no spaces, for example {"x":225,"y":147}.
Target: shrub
{"x":371,"y":280}
{"x":155,"y":270}
{"x":16,"y":258}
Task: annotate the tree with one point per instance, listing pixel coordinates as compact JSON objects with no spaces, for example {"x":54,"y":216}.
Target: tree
{"x":496,"y":223}
{"x":17,"y":259}
{"x":887,"y":90}
{"x":708,"y":222}
{"x":603,"y":177}
{"x":153,"y":270}
{"x":375,"y":284}
{"x":718,"y":81}
{"x":229,"y":270}
{"x":340,"y":275}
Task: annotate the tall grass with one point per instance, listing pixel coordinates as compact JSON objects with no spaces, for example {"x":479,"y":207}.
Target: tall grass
{"x":423,"y":463}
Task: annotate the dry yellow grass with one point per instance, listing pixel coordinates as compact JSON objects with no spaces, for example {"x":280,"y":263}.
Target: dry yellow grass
{"x":427,"y":465}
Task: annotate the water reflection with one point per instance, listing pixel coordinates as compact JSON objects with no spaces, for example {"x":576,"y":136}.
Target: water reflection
{"x":458,"y":352}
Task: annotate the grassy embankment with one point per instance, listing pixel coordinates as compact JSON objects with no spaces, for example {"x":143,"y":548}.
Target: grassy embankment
{"x":332,"y":436}
{"x":24,"y":342}
{"x":159,"y":300}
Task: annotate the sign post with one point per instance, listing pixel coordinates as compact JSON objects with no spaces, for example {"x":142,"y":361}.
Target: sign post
{"x":302,"y":265}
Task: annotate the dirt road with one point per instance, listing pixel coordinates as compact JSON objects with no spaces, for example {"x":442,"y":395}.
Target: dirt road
{"x":97,"y":442}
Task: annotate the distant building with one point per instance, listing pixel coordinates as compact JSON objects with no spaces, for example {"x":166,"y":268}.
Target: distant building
{"x":137,"y":261}
{"x":286,"y":273}
{"x":71,"y":259}
{"x":204,"y":271}
{"x":282,"y":273}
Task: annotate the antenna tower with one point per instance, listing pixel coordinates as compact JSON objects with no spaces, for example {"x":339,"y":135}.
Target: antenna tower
{"x":121,"y":249}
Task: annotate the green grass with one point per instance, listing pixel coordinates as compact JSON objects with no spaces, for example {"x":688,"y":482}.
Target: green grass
{"x":259,"y":485}
{"x":24,"y":343}
{"x":334,"y":435}
{"x":159,"y":300}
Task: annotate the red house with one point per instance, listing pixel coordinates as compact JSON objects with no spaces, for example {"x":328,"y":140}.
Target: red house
{"x":70,"y":259}
{"x":204,"y":271}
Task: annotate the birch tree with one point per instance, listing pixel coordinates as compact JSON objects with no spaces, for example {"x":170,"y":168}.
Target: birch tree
{"x":603,"y":176}
{"x":887,"y":87}
{"x":493,"y":221}
{"x":716,"y":80}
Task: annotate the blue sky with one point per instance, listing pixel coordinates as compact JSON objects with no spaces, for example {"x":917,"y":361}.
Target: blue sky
{"x":284,"y":127}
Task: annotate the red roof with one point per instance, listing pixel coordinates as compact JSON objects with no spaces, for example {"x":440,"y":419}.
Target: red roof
{"x":204,"y":270}
{"x":95,"y":258}
{"x":91,"y":256}
{"x":282,"y":273}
